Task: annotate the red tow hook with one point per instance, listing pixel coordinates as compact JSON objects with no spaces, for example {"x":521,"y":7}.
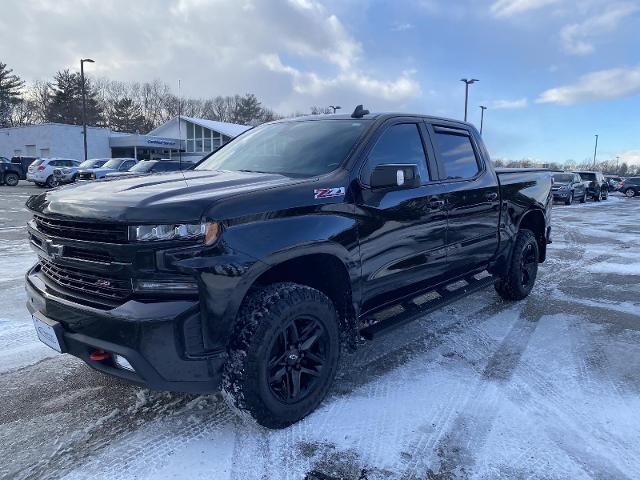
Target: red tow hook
{"x":99,"y":355}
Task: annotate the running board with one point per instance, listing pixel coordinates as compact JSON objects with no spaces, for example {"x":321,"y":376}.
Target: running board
{"x":401,"y":313}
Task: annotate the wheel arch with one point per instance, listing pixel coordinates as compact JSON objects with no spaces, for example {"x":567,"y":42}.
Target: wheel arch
{"x":534,"y":220}
{"x":323,"y":270}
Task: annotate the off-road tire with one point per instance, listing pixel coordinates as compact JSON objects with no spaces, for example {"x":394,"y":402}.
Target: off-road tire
{"x":597,"y":196}
{"x":11,"y":179}
{"x":510,"y":286}
{"x":569,"y":200}
{"x":583,"y":199}
{"x":262,"y":316}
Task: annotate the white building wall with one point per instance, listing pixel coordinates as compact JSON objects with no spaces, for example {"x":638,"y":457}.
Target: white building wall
{"x":54,"y":140}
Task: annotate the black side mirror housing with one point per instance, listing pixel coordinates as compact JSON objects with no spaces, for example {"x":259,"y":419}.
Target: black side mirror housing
{"x":396,"y":176}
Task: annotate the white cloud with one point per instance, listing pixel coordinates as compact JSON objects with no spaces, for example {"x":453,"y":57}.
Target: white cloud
{"x":577,"y":37}
{"x":508,"y":8}
{"x":508,"y":104}
{"x":631,"y":157}
{"x":213,"y":47}
{"x":600,"y":85}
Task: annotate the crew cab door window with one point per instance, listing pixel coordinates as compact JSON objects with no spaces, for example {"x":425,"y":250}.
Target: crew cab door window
{"x":456,"y":154}
{"x":400,"y":143}
{"x":126,"y":165}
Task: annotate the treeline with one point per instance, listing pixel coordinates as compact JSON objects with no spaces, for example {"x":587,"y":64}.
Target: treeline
{"x":609,"y":167}
{"x":122,"y":106}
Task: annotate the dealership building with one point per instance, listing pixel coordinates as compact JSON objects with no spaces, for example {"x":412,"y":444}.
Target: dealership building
{"x":194,"y":137}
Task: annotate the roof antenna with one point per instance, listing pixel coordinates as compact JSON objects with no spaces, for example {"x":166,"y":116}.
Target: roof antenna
{"x":359,"y":112}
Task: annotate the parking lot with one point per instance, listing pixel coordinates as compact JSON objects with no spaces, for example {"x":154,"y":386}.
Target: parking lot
{"x":545,"y":388}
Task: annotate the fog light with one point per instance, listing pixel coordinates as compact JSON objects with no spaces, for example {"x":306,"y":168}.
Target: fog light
{"x":166,"y":286}
{"x":122,"y":363}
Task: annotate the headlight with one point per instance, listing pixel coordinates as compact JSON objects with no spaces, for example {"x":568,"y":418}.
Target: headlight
{"x":209,"y":232}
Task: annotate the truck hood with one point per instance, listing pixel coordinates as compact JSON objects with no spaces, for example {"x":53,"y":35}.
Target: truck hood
{"x":163,"y":198}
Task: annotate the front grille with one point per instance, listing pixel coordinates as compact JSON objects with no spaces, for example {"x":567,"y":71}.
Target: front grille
{"x":85,"y":176}
{"x":88,"y":283}
{"x":94,"y":232}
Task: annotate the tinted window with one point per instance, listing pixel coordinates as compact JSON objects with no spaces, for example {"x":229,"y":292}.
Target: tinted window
{"x":398,"y":144}
{"x":127,"y":165}
{"x":588,"y":176}
{"x":457,"y":155}
{"x":304,"y":148}
{"x":563,"y":177}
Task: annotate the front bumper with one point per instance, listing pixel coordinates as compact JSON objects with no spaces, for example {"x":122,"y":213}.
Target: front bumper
{"x":150,"y":335}
{"x":561,"y":194}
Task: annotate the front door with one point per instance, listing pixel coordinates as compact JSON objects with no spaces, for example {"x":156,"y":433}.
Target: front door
{"x":472,"y":198}
{"x":402,"y":231}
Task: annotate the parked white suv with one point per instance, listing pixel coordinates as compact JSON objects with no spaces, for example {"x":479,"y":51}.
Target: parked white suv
{"x":41,"y":170}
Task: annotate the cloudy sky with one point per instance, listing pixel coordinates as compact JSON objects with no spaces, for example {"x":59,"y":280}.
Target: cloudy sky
{"x":552,"y":72}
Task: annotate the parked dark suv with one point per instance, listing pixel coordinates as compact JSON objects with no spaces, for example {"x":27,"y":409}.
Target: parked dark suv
{"x":597,"y":186}
{"x":568,"y":186}
{"x":630,"y":186}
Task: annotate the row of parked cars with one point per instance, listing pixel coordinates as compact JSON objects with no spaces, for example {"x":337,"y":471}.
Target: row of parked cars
{"x":570,"y":186}
{"x":51,"y":172}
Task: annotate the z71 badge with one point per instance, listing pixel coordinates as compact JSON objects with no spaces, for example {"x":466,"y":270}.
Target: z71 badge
{"x":329,"y":192}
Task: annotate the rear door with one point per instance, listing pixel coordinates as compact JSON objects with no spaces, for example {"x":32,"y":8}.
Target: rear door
{"x":472,"y":197}
{"x":401,"y":231}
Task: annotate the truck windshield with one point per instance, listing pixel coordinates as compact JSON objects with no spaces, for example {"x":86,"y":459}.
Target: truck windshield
{"x":303,"y":148}
{"x":563,"y":178}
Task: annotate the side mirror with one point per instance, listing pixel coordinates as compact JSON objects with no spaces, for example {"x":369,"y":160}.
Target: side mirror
{"x":397,"y":176}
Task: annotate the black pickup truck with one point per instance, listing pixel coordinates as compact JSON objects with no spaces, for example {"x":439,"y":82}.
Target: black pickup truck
{"x":299,"y":239}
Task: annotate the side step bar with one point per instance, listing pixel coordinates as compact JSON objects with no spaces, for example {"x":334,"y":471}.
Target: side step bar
{"x":394,"y":316}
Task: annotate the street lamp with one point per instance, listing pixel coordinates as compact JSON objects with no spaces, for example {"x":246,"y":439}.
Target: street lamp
{"x":84,"y":103}
{"x":595,"y":152}
{"x":337,"y":107}
{"x":466,"y":93}
{"x":482,"y":109}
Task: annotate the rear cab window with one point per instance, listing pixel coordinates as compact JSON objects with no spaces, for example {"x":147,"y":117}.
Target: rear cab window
{"x":456,"y":152}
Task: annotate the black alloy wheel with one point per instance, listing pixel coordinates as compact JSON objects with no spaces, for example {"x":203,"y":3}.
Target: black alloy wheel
{"x":11,"y":179}
{"x":528,"y":265}
{"x":297,"y":358}
{"x":517,"y":282}
{"x":630,"y":193}
{"x":283,"y":354}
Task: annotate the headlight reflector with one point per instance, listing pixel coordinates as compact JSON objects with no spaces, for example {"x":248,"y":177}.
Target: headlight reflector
{"x":150,"y":233}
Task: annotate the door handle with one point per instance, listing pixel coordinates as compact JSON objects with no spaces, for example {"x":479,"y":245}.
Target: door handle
{"x":491,"y":196}
{"x":435,"y":204}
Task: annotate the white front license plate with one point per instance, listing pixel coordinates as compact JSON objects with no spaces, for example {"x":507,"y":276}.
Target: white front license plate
{"x":46,"y":333}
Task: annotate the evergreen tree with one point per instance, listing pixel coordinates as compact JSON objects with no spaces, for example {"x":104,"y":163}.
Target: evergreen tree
{"x":126,"y":116}
{"x":10,"y":88}
{"x":248,"y":109}
{"x":66,"y":100}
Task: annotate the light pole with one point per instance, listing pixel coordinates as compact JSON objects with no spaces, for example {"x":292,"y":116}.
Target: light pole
{"x":467,"y":82}
{"x":617,"y":164}
{"x":84,"y":104}
{"x":595,"y":152}
{"x":337,"y":107}
{"x":482,"y":108}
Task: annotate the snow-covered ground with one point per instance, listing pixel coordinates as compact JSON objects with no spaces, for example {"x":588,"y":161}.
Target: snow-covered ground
{"x":545,"y":388}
